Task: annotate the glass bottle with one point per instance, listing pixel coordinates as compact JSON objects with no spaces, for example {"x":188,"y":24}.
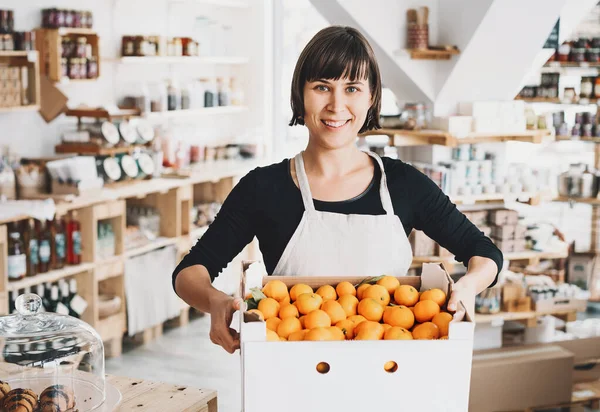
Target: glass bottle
{"x":45,"y":239}
{"x":17,"y":260}
{"x":31,"y":246}
{"x":59,"y":246}
{"x":73,"y":240}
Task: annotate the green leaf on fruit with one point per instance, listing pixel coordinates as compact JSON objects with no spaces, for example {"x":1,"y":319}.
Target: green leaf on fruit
{"x":371,"y":280}
{"x":257,"y":294}
{"x":252,"y":303}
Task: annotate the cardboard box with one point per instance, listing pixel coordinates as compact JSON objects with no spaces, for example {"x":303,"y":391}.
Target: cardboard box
{"x":512,"y":291}
{"x":517,"y":305}
{"x":353,"y":364}
{"x":501,"y":217}
{"x":477,"y":217}
{"x":459,"y":126}
{"x":516,"y":379}
{"x":587,"y":358}
{"x":421,"y":244}
{"x":504,"y":232}
{"x":580,"y":269}
{"x":548,"y":305}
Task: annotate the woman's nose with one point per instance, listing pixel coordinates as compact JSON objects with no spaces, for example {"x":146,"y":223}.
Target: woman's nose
{"x":337,"y":102}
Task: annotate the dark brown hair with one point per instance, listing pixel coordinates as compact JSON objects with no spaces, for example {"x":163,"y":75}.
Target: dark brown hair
{"x":333,"y":53}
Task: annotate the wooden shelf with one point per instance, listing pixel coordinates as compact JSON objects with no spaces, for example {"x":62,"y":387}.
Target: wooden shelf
{"x":492,"y":197}
{"x":67,"y":80}
{"x":400,"y":137}
{"x":183,"y":59}
{"x":589,"y":201}
{"x":571,"y":64}
{"x":205,"y":111}
{"x":100,"y":113}
{"x":15,"y":53}
{"x":52,"y":276}
{"x":526,"y":255}
{"x":581,"y":102}
{"x":29,"y":108}
{"x":157,"y":244}
{"x":514,"y":316}
{"x":431,"y":54}
{"x":91,"y":148}
{"x":65,"y":31}
{"x":577,"y":139}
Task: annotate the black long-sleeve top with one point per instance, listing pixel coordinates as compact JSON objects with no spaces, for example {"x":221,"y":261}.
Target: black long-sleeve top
{"x":266,"y":203}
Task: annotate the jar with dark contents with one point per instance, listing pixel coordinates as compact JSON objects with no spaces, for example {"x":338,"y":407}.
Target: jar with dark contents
{"x":4,"y":22}
{"x":77,"y":20}
{"x":80,"y":49}
{"x":69,"y":18}
{"x":581,"y":43}
{"x":83,"y":71}
{"x":578,"y":55}
{"x":587,"y":130}
{"x":60,"y":18}
{"x":92,"y":68}
{"x":89,"y":20}
{"x":74,"y":72}
{"x":587,"y":88}
{"x":593,"y":55}
{"x":64,"y":67}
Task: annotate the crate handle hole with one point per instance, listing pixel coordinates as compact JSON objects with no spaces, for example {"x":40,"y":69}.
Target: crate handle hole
{"x":390,"y":367}
{"x":323,"y":368}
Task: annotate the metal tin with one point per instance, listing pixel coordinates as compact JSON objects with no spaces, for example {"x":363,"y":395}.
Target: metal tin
{"x":128,"y":132}
{"x":129,"y":166}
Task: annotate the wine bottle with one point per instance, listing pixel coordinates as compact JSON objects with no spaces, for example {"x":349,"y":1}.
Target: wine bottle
{"x":45,"y":239}
{"x":31,"y":246}
{"x":59,"y":244}
{"x":17,"y":260}
{"x":73,"y":240}
{"x":39,"y":290}
{"x":77,"y":304}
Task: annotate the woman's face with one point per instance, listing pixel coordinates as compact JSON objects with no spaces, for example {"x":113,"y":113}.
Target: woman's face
{"x":335,"y":110}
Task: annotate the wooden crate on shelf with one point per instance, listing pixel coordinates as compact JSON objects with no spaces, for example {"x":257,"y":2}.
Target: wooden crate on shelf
{"x":49,"y":44}
{"x":27,"y":94}
{"x":110,"y":280}
{"x":89,"y":218}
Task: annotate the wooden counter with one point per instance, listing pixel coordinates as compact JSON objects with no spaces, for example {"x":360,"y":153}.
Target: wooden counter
{"x":146,"y":396}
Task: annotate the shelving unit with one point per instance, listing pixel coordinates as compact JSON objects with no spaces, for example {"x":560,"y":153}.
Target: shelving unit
{"x":399,"y":137}
{"x":30,"y":60}
{"x":48,"y":42}
{"x":432,"y":54}
{"x":235,"y":4}
{"x":495,"y":197}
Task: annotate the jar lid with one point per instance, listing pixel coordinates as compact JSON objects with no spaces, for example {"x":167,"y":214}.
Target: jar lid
{"x":110,"y":132}
{"x":111,"y":168}
{"x":145,"y":130}
{"x":146,"y":163}
{"x":30,"y":321}
{"x":129,"y":166}
{"x":127,"y":131}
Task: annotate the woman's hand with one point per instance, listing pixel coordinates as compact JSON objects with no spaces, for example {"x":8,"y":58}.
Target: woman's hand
{"x":462,"y":291}
{"x":221,"y":314}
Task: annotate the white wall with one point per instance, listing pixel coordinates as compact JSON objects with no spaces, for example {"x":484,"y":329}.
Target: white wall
{"x":28,"y":134}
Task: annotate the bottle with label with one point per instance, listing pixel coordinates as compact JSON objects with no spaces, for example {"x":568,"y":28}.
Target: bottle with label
{"x":31,"y":246}
{"x":45,"y":240}
{"x":17,"y":259}
{"x":39,"y":290}
{"x":12,"y":298}
{"x":77,"y":304}
{"x":73,"y":240}
{"x":59,"y":244}
{"x":54,"y":301}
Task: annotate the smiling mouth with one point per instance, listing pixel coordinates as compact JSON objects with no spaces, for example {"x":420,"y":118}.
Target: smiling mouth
{"x":336,"y":124}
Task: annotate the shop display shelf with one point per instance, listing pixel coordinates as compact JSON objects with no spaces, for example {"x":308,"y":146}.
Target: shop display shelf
{"x":205,"y":111}
{"x":29,"y":59}
{"x":493,"y":197}
{"x":153,"y":245}
{"x":577,"y":139}
{"x":50,"y":41}
{"x":28,"y":108}
{"x":556,"y":100}
{"x":529,"y":316}
{"x":51,"y":276}
{"x":235,"y":4}
{"x":589,"y":201}
{"x":399,"y":137}
{"x":526,"y":255}
{"x":88,"y":148}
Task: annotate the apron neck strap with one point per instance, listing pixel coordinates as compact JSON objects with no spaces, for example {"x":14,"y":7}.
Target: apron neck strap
{"x":307,"y":199}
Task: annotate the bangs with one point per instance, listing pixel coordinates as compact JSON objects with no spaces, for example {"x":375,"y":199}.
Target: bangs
{"x":339,"y":58}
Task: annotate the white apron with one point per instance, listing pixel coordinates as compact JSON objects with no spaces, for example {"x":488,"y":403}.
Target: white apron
{"x":334,"y":244}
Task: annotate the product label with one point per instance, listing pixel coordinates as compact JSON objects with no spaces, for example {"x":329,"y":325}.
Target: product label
{"x":76,"y":238}
{"x":17,"y":266}
{"x":78,"y":304}
{"x":61,"y":309}
{"x":45,"y":251}
{"x":59,"y":241}
{"x":34,"y":251}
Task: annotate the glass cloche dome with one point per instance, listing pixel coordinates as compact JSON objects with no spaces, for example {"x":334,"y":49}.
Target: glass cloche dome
{"x":53,"y":360}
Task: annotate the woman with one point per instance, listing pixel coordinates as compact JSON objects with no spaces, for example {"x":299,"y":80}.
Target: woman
{"x":333,"y":210}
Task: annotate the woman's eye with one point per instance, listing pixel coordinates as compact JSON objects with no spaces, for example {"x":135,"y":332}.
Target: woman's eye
{"x":352,"y":89}
{"x":322,"y":88}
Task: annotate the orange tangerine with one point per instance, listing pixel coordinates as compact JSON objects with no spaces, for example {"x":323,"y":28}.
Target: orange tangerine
{"x":370,"y":309}
{"x":349,"y":304}
{"x":307,"y":302}
{"x":317,"y":318}
{"x":275,"y":289}
{"x":406,"y":295}
{"x":327,"y":292}
{"x":269,"y":307}
{"x":377,"y":292}
{"x":334,"y":310}
{"x":299,"y":289}
{"x":390,"y":283}
{"x":345,"y":288}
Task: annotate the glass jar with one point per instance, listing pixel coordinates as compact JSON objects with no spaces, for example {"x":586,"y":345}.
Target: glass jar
{"x":593,"y":55}
{"x":83,"y":68}
{"x":564,"y":51}
{"x":128,"y":46}
{"x":80,"y":50}
{"x":53,"y":357}
{"x":90,"y":19}
{"x":587,"y":88}
{"x":577,"y":55}
{"x":60,"y":18}
{"x":92,"y":68}
{"x":74,"y":68}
